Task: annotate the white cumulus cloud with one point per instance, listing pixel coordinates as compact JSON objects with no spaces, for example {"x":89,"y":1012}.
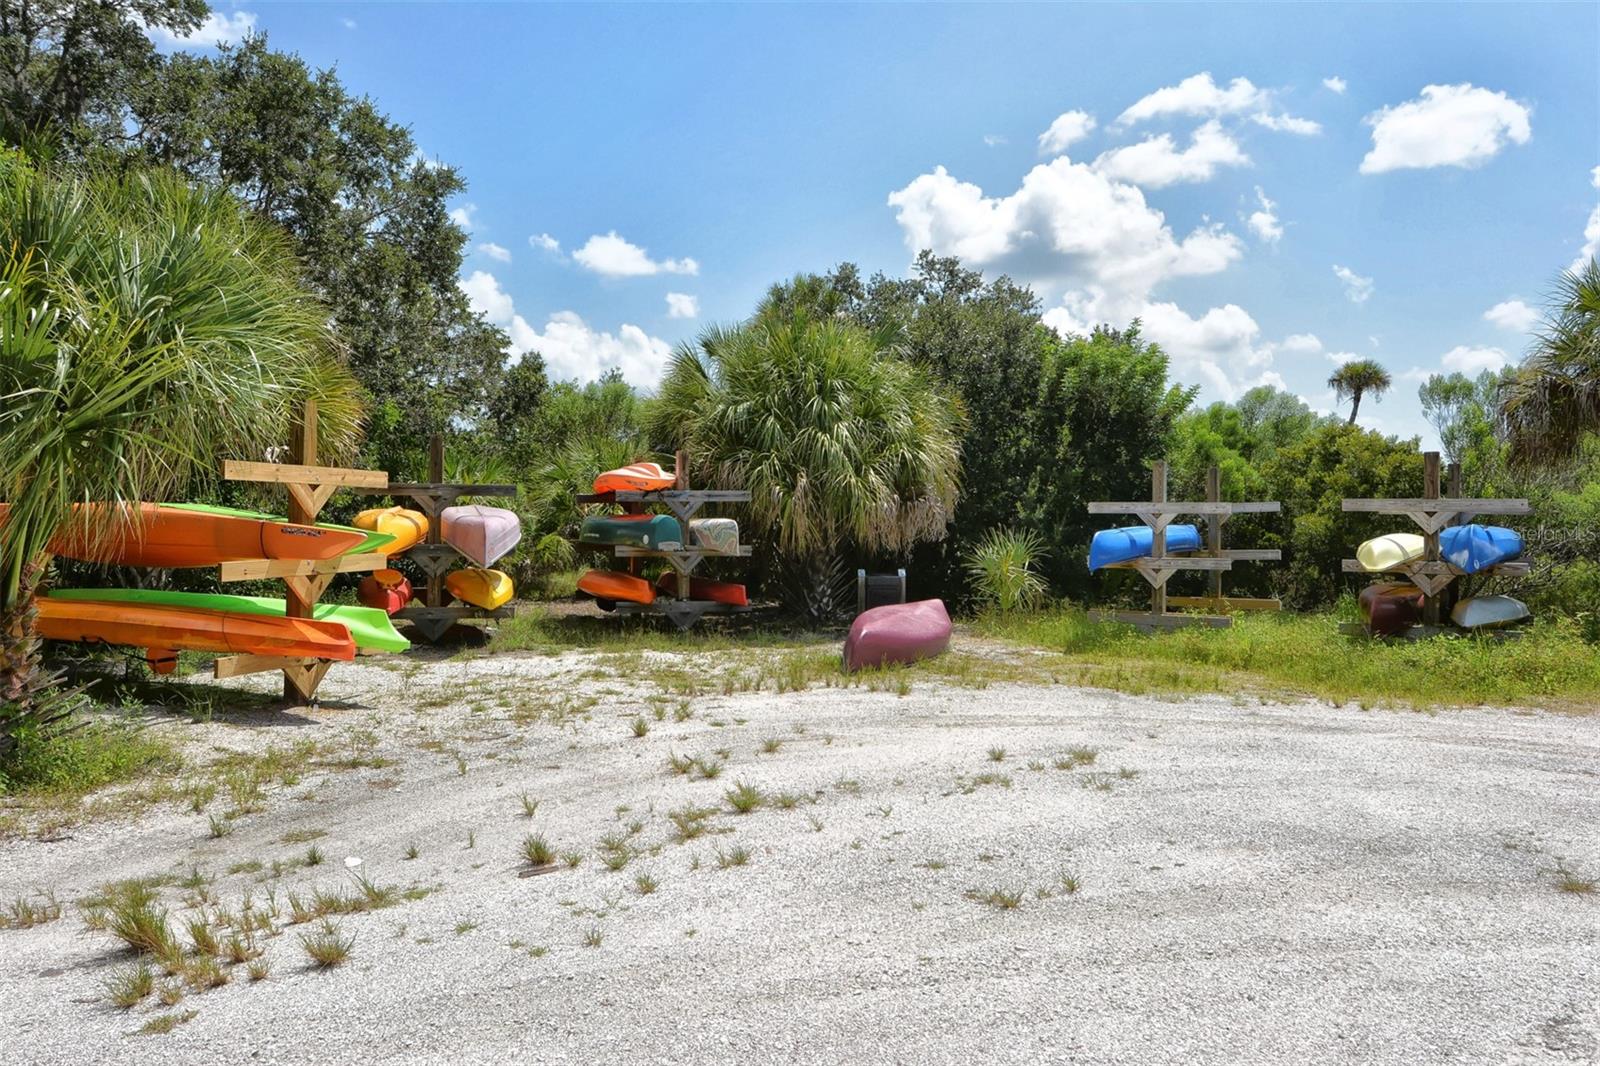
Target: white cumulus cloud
{"x":1263,"y":221}
{"x":1220,"y":348}
{"x":545,"y":243}
{"x":1472,"y":360}
{"x":1447,"y":126}
{"x":1514,"y":315}
{"x":569,"y":346}
{"x":1156,"y":162}
{"x":615,"y":257}
{"x":1356,"y":287}
{"x":1305,"y":127}
{"x":463,"y":215}
{"x":1302,"y":343}
{"x":1068,"y":128}
{"x":682,"y":305}
{"x":1341,"y":358}
{"x":1201,"y":97}
{"x":995,"y":140}
{"x":1335,"y":84}
{"x":495,"y":251}
{"x":217,"y":28}
{"x":1591,"y":232}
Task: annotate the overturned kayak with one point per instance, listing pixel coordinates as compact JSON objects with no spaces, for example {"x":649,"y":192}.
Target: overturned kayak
{"x":384,"y":590}
{"x":612,"y":586}
{"x":405,"y":527}
{"x":701,"y":588}
{"x":488,"y":589}
{"x":897,"y":633}
{"x":1112,"y":546}
{"x":1472,"y":548}
{"x":186,"y":536}
{"x":1488,"y":612}
{"x":656,"y":532}
{"x":637,"y":477}
{"x":369,"y":628}
{"x":720,"y":535}
{"x":372,"y":540}
{"x":482,"y":534}
{"x":1388,"y":552}
{"x":1390,"y":608}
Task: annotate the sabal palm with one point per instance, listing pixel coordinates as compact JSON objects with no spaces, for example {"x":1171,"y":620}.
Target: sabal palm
{"x":840,"y":443}
{"x":1356,"y":379}
{"x":147,"y":328}
{"x":1553,"y":399}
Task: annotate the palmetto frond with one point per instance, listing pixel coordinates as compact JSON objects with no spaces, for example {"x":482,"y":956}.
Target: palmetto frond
{"x":1553,"y":399}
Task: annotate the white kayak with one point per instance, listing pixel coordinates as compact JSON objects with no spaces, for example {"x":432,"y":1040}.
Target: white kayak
{"x":1386,"y":553}
{"x":1487,"y":612}
{"x":482,"y":534}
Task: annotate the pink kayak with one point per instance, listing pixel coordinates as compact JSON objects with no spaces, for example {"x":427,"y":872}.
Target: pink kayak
{"x":897,"y":633}
{"x":482,"y":534}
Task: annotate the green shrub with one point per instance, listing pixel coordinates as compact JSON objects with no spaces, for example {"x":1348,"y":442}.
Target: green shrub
{"x":1001,"y":567}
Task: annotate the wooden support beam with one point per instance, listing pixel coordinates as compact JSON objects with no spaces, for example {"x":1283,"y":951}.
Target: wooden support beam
{"x":1405,"y":505}
{"x":261,"y":569}
{"x":299,"y":473}
{"x":1214,"y":528}
{"x":1163,"y":507}
{"x":301,"y":676}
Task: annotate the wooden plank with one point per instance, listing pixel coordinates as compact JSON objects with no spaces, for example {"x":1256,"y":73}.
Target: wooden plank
{"x":1175,"y":562}
{"x":240,"y":665}
{"x":1515,"y":568}
{"x":1255,"y":507}
{"x":1194,"y":507}
{"x":296,"y":473}
{"x":1225,"y":603}
{"x":1252,"y":555}
{"x":260,"y":569}
{"x":624,"y":551}
{"x":1439,"y":505}
{"x":1214,"y":529}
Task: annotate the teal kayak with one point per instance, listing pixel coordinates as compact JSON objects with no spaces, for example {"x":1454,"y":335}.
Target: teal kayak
{"x":369,"y":627}
{"x":375,"y":541}
{"x":657,"y":532}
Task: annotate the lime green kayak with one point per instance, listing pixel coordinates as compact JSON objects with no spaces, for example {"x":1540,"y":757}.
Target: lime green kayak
{"x":369,"y":628}
{"x":375,"y":541}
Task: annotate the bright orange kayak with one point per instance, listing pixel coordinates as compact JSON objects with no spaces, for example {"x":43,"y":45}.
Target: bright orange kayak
{"x":639,"y":477}
{"x":705,"y":589}
{"x":408,"y":527}
{"x":613,"y":585}
{"x":166,"y":630}
{"x":176,"y":537}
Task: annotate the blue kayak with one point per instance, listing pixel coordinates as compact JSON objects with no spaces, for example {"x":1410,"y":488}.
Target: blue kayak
{"x":1133,"y":542}
{"x":1474,"y":548}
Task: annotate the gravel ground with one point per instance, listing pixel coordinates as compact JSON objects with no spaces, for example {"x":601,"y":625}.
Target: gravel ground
{"x":1256,"y":883}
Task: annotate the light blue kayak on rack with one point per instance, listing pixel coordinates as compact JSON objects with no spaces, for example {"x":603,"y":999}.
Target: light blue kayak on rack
{"x":1111,"y":546}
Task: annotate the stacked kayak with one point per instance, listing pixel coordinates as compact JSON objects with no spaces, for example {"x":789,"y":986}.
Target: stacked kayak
{"x":165,"y":630}
{"x":1470,"y":548}
{"x":637,"y":477}
{"x":385,"y":590}
{"x":370,"y":629}
{"x":484,"y":588}
{"x":897,"y":633}
{"x":482,"y":534}
{"x":1391,"y":608}
{"x":1112,"y":546}
{"x":720,"y":535}
{"x":704,"y":589}
{"x":656,"y":532}
{"x":405,"y":527}
{"x":372,"y":540}
{"x":189,"y":536}
{"x":613,"y":586}
{"x":1488,"y":612}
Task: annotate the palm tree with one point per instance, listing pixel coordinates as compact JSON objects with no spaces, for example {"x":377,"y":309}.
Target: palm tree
{"x":1552,"y":400}
{"x":1356,"y":379}
{"x":842,"y":445}
{"x":147,"y":328}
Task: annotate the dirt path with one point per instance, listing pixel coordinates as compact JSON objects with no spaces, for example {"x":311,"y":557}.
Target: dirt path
{"x":1253,"y":883}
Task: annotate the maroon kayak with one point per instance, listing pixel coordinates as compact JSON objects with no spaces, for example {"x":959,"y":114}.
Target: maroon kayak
{"x":1390,"y":609}
{"x":897,"y":633}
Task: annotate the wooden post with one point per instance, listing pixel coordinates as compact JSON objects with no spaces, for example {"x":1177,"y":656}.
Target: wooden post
{"x":680,"y":472}
{"x":1214,"y":532}
{"x":435,"y":595}
{"x":302,"y":452}
{"x":1453,"y":489}
{"x":1158,"y":533}
{"x":1430,"y":491}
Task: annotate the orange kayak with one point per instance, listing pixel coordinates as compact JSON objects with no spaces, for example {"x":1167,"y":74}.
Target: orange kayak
{"x":176,"y":537}
{"x":612,"y":585}
{"x":639,"y":477}
{"x":705,"y":589}
{"x":408,"y":527}
{"x":167,"y":630}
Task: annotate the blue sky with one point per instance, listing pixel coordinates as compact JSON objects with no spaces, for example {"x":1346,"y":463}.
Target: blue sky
{"x":1271,"y":188}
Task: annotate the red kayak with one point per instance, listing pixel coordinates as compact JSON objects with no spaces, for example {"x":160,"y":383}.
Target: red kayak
{"x":1391,"y":608}
{"x":704,"y":589}
{"x":897,"y":633}
{"x":387,"y":590}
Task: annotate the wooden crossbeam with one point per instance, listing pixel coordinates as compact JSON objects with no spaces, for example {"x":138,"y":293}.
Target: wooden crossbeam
{"x":1139,"y":507}
{"x":293,"y":473}
{"x":1251,"y":555}
{"x":1514,"y":568}
{"x":260,"y":569}
{"x":303,"y":675}
{"x":1439,"y":505}
{"x":1175,"y":562}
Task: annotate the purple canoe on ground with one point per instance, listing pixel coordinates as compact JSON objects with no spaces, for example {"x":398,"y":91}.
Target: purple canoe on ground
{"x":897,"y":633}
{"x":482,"y":534}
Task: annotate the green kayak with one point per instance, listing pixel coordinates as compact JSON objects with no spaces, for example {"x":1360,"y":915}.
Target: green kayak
{"x":657,"y":532}
{"x":375,"y":541}
{"x":369,"y":627}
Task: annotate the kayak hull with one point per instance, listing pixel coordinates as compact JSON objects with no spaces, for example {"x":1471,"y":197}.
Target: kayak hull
{"x":897,"y":633}
{"x":1488,"y":612}
{"x":1391,"y":608}
{"x":655,"y":532}
{"x":705,"y":589}
{"x":406,"y":526}
{"x":1472,"y":548}
{"x":482,"y":534}
{"x":156,"y":626}
{"x":188,"y":537}
{"x":488,"y":589}
{"x":384,"y":590}
{"x":370,"y":629}
{"x":617,"y":587}
{"x":1124,"y":545}
{"x":637,"y":477}
{"x":719,"y":535}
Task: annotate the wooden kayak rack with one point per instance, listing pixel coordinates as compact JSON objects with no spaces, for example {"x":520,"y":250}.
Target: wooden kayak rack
{"x":434,"y":617}
{"x":310,"y":487}
{"x":684,"y":503}
{"x":1216,"y":560}
{"x":1432,"y":513}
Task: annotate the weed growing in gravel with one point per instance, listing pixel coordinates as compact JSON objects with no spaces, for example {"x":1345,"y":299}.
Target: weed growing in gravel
{"x":1098,"y":782}
{"x":572,"y":858}
{"x":165,"y":1023}
{"x":1127,"y":773}
{"x":593,"y":937}
{"x":169,"y":994}
{"x":999,"y":898}
{"x":1569,"y":881}
{"x":997,"y":755}
{"x":680,"y":764}
{"x":708,"y":769}
{"x":786,"y":801}
{"x":413,"y":851}
{"x":640,"y":727}
{"x":303,"y":836}
{"x":465,"y":926}
{"x":203,"y":972}
{"x":314,"y":856}
{"x":744,"y":798}
{"x":472,"y":838}
{"x":734,"y":856}
{"x":615,"y":859}
{"x":815,"y":822}
{"x":1077,"y":756}
{"x":201,"y":938}
{"x":530,"y":806}
{"x":128,"y":911}
{"x":848,"y":785}
{"x":931,"y":864}
{"x":25,"y":913}
{"x":220,"y":827}
{"x":258,"y":969}
{"x":771,"y":745}
{"x":128,"y":986}
{"x":1069,"y":884}
{"x":327,"y":947}
{"x":645,"y":884}
{"x":690,"y":822}
{"x":537,"y":850}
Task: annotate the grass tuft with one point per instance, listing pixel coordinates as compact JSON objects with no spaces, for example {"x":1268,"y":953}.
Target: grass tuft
{"x":734,"y":856}
{"x":744,"y":798}
{"x":327,"y":947}
{"x":129,"y":986}
{"x":537,"y":850}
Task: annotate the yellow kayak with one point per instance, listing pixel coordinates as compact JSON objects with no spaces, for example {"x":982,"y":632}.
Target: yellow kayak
{"x":408,"y":527}
{"x":481,"y":588}
{"x":1386,"y":553}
